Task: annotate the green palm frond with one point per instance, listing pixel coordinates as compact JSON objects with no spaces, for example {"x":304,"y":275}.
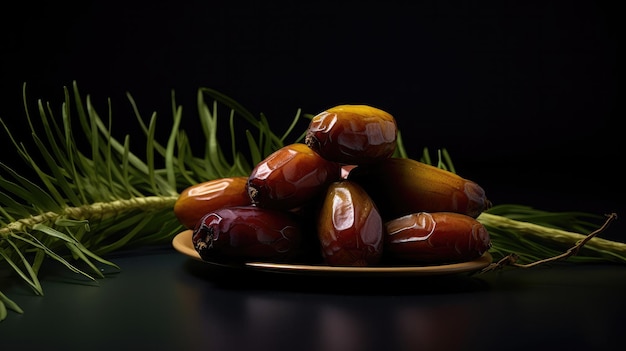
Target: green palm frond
{"x":88,"y":194}
{"x":83,"y":204}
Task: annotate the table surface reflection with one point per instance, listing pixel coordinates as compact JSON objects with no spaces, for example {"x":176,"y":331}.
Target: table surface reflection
{"x":162,"y":300}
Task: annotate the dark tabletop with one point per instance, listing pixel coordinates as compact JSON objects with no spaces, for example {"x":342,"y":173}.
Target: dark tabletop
{"x":163,"y":300}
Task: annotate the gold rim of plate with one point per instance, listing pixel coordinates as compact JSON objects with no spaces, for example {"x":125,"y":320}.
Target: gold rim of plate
{"x":183,"y":244}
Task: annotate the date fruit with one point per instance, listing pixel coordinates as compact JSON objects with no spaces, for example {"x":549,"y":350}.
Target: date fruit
{"x":438,"y":237}
{"x":349,"y":227}
{"x":202,"y":198}
{"x":244,"y":233}
{"x":290,"y":177}
{"x":402,"y":186}
{"x":353,"y":134}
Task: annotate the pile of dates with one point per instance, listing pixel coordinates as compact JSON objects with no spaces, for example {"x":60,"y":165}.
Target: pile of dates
{"x":339,"y":198}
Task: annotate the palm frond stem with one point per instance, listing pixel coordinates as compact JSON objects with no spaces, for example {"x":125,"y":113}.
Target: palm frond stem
{"x":91,"y":212}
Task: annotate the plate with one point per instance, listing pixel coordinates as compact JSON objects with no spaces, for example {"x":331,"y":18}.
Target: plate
{"x":183,"y":244}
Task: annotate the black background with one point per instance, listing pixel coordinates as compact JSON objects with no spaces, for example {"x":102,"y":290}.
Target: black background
{"x":523,"y":94}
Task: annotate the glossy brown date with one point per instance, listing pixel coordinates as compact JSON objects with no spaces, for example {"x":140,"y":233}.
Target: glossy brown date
{"x":290,"y":177}
{"x":353,"y":134}
{"x":349,"y":227}
{"x":402,"y":186}
{"x":439,"y":237}
{"x":202,"y":198}
{"x":244,"y":233}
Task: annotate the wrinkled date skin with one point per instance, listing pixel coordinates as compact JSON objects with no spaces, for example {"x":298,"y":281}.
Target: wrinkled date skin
{"x":243,"y":233}
{"x":290,"y":177}
{"x":353,"y":134}
{"x":402,"y":186}
{"x":439,"y":237}
{"x":349,"y":227}
{"x":202,"y":198}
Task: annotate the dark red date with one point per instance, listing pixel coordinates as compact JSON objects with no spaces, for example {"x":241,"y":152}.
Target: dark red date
{"x":438,"y":237}
{"x":290,"y":177}
{"x":243,"y":233}
{"x":349,"y":227}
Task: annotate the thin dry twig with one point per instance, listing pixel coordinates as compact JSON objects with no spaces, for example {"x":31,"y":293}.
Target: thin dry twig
{"x":511,"y":259}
